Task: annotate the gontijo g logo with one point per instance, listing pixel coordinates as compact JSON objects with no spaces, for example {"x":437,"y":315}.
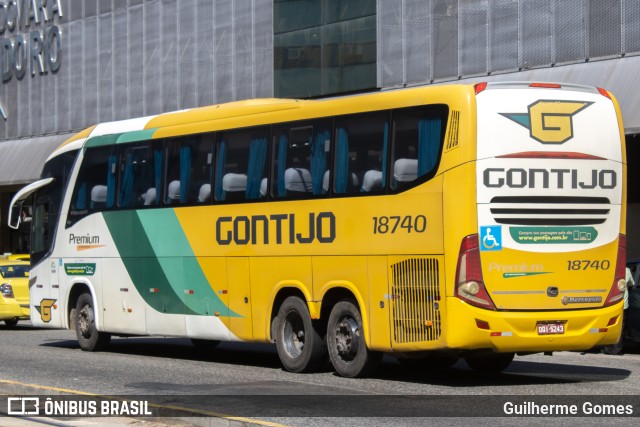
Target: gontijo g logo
{"x":549,"y":121}
{"x":45,"y":309}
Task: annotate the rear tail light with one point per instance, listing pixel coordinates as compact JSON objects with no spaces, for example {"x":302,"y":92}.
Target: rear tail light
{"x":546,"y":85}
{"x":619,"y":281}
{"x":469,"y":283}
{"x":480,"y":87}
{"x":6,"y":290}
{"x":604,"y":92}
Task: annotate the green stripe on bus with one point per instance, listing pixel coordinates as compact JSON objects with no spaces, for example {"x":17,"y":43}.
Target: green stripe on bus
{"x":179,"y":263}
{"x":141,"y":263}
{"x":102,"y":140}
{"x":137,"y":135}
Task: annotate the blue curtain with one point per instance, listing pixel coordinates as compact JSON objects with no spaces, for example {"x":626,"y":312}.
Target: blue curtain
{"x":111,"y":181}
{"x":318,"y":161}
{"x":157,"y":174}
{"x":185,"y":172}
{"x":81,"y":198}
{"x":282,"y":164}
{"x":385,"y":150}
{"x":222,"y":155}
{"x":428,"y":144}
{"x":255,"y":169}
{"x":342,"y":161}
{"x":127,"y":182}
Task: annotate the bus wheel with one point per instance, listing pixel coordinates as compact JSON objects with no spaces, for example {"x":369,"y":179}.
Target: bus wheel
{"x":204,"y":345}
{"x":11,"y":322}
{"x":492,"y":363}
{"x":300,"y":346}
{"x":345,"y":340}
{"x":89,"y":338}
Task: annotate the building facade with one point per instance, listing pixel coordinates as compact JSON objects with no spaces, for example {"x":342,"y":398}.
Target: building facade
{"x":68,"y":64}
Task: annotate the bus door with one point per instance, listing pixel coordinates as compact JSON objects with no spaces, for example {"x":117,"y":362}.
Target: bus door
{"x":44,"y":284}
{"x":41,"y":234}
{"x":55,"y":271}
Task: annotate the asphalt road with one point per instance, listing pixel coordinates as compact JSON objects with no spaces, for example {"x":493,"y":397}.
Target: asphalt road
{"x":246,"y":381}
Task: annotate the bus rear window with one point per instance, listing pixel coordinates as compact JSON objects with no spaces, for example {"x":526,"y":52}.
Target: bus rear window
{"x":417,"y":143}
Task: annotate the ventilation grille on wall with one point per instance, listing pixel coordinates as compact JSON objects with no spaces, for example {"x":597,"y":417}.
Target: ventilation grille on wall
{"x":415,"y":297}
{"x":452,"y":141}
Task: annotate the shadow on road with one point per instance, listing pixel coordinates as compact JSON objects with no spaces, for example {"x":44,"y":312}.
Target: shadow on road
{"x":250,"y":354}
{"x":522,"y":372}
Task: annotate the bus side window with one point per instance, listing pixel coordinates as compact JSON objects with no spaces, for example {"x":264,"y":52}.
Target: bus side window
{"x":140,"y":168}
{"x":201,"y":165}
{"x":188,"y":171}
{"x":417,"y":143}
{"x":361,"y":147}
{"x":96,"y":183}
{"x":301,"y":159}
{"x":241,"y":164}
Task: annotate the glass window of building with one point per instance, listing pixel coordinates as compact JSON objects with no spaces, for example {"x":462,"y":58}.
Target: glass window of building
{"x":324,"y":47}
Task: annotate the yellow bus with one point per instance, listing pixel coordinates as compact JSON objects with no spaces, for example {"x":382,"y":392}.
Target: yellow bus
{"x":432,"y":223}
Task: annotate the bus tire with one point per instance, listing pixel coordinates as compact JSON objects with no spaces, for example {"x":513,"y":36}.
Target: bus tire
{"x":490,"y":363}
{"x":89,"y":338}
{"x":301,"y":347}
{"x":348,"y":350}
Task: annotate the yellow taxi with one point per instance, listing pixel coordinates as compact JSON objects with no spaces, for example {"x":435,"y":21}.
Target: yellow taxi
{"x":14,"y":291}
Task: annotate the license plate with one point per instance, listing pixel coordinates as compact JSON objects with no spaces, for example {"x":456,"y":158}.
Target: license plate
{"x":550,"y":328}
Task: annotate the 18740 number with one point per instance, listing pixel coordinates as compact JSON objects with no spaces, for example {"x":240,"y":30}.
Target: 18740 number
{"x":396,"y":223}
{"x":588,"y":264}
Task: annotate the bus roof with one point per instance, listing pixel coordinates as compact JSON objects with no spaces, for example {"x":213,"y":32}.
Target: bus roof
{"x":264,"y":111}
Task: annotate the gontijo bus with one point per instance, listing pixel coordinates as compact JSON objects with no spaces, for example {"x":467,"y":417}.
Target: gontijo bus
{"x":432,"y":223}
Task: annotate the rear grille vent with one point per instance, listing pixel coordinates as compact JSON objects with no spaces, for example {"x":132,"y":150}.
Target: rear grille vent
{"x":415,"y":294}
{"x":452,"y":141}
{"x":550,"y":210}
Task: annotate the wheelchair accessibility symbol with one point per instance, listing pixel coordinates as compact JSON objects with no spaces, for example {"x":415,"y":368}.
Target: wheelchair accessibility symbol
{"x":491,"y":238}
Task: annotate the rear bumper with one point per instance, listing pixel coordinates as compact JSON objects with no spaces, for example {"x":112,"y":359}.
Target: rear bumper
{"x":517,"y":331}
{"x":10,"y":308}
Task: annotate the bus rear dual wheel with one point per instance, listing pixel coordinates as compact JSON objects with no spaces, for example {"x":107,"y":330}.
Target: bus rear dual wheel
{"x":302,"y":346}
{"x":348,"y":351}
{"x":298,"y":341}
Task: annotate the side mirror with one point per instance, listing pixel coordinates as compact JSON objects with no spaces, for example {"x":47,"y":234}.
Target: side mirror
{"x":15,"y":210}
{"x":15,"y":215}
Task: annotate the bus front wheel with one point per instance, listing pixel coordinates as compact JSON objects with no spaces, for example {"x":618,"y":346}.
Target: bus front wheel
{"x":89,"y":338}
{"x":345,"y":340}
{"x":490,"y":363}
{"x":300,"y":346}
